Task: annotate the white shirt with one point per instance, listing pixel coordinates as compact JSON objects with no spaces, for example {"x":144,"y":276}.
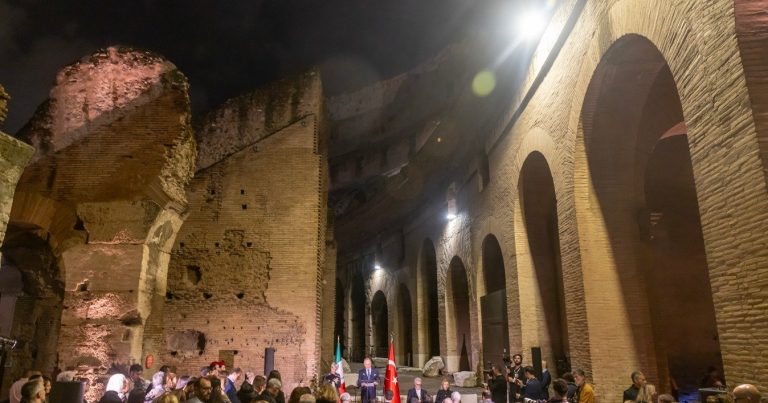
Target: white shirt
{"x":14,"y":394}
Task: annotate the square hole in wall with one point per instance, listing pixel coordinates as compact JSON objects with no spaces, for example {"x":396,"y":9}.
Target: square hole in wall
{"x":193,"y":275}
{"x":245,"y":207}
{"x":242,"y":191}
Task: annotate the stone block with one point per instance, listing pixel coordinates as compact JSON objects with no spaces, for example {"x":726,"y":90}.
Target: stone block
{"x":465,"y":379}
{"x":433,"y":366}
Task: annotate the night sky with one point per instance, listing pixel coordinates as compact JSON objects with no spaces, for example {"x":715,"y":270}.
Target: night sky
{"x":226,"y":48}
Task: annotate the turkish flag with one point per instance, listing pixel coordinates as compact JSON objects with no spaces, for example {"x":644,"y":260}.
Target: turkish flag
{"x":390,"y":379}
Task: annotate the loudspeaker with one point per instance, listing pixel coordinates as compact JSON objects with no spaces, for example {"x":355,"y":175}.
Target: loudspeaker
{"x":269,"y":360}
{"x":67,"y":392}
{"x":536,"y":360}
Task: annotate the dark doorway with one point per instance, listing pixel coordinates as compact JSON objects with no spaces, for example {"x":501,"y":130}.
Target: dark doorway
{"x":380,"y":324}
{"x":539,"y":207}
{"x":357,"y":323}
{"x":494,"y":303}
{"x":460,"y":295}
{"x":429,"y":268}
{"x":406,"y":325}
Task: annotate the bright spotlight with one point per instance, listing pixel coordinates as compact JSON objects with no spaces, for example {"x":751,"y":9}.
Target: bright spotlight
{"x":531,"y":24}
{"x":450,"y":216}
{"x":377,"y":266}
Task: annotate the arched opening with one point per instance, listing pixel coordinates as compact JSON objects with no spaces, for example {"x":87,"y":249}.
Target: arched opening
{"x":338,"y":323}
{"x":429,"y":269}
{"x":459,"y":289}
{"x":31,"y":296}
{"x":643,"y":257}
{"x":406,"y":325}
{"x":540,"y":264}
{"x":380,"y":324}
{"x":494,"y":303}
{"x":357,"y":319}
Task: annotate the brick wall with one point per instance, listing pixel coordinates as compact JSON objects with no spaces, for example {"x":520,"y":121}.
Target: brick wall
{"x":247,"y":270}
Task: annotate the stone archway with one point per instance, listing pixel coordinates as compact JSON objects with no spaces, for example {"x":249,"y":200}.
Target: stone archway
{"x":428,"y":280}
{"x":638,"y":219}
{"x":357,"y":318}
{"x":539,"y":264}
{"x":379,"y":324}
{"x":460,"y":336}
{"x":405,"y":318}
{"x":495,"y":325}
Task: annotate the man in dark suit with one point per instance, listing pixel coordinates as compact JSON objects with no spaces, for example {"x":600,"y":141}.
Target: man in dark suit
{"x":533,"y":388}
{"x":367,"y":379}
{"x":417,"y":394}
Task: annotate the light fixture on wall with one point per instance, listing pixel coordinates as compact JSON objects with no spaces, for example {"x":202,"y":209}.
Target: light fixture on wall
{"x":450,"y":199}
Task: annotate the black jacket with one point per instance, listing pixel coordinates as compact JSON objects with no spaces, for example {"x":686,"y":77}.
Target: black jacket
{"x":498,"y":388}
{"x":443,"y":394}
{"x":412,"y":395}
{"x":111,"y":397}
{"x":534,"y":390}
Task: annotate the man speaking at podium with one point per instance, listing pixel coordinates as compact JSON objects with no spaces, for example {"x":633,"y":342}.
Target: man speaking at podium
{"x":367,"y":380}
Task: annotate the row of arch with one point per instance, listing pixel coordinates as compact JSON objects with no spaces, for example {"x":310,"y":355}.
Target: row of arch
{"x":641,"y":246}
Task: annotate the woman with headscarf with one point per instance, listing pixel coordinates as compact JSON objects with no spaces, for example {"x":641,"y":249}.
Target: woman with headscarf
{"x":117,"y":389}
{"x":158,"y":387}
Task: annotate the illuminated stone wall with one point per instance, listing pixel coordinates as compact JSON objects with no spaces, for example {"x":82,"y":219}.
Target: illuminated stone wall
{"x":245,"y":271}
{"x":114,"y":151}
{"x":560,"y":112}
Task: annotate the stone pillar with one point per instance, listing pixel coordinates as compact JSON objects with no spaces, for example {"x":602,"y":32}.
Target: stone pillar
{"x":14,"y":156}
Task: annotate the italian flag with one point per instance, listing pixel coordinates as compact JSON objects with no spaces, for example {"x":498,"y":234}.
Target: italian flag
{"x":339,"y":368}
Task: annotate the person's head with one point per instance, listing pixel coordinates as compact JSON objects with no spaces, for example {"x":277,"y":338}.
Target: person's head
{"x":367,"y":363}
{"x":495,"y":371}
{"x":273,"y":386}
{"x":334,"y":367}
{"x":517,"y":359}
{"x":638,"y":379}
{"x":579,"y":376}
{"x":32,"y":372}
{"x":326,"y":393}
{"x":274,"y":374}
{"x":297,"y":393}
{"x":746,"y":393}
{"x":118,"y":383}
{"x":33,"y":391}
{"x":456,"y":397}
{"x":560,"y":386}
{"x":345,"y":397}
{"x":47,"y":385}
{"x":235,"y":375}
{"x":135,"y":372}
{"x":569,"y":377}
{"x":259,"y":383}
{"x":447,"y":400}
{"x":445,"y":385}
{"x":306,"y":398}
{"x":529,"y":372}
{"x":665,"y":398}
{"x":203,"y":389}
{"x":189,"y":387}
{"x":170,"y":380}
{"x":167,"y":398}
{"x":417,"y":382}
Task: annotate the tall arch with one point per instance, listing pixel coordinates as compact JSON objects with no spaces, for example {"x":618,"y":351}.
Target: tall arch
{"x":357,"y":318}
{"x":493,"y":304}
{"x":646,"y":277}
{"x":379,"y":324}
{"x":459,"y":337}
{"x":405,"y":318}
{"x":539,"y":264}
{"x":430,"y":335}
{"x":338,"y":322}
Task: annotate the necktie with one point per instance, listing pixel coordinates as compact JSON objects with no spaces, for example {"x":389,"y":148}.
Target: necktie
{"x":368,"y":373}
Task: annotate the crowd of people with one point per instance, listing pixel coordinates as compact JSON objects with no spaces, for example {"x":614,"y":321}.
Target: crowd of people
{"x":215,"y":384}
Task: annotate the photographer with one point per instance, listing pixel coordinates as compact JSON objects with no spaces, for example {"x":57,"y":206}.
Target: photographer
{"x":497,"y":385}
{"x":515,"y":377}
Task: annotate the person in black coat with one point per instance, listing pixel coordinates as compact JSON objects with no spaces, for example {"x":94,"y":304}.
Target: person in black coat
{"x":367,"y":380}
{"x":533,"y":388}
{"x":417,"y":394}
{"x":497,"y":385}
{"x":445,"y":391}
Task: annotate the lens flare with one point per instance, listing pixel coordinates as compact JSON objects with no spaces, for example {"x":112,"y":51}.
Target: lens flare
{"x":484,"y":83}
